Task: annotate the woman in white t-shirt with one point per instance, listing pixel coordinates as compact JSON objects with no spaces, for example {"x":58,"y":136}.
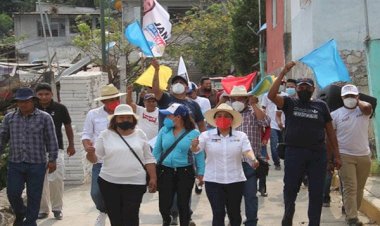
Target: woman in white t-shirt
{"x":224,"y":176}
{"x":127,"y":159}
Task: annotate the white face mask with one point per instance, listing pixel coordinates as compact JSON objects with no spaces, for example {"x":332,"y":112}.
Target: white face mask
{"x":178,"y":88}
{"x":238,"y":106}
{"x":350,"y":102}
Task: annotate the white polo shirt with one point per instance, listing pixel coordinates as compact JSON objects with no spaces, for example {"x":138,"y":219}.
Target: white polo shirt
{"x":351,"y":127}
{"x":223,"y":156}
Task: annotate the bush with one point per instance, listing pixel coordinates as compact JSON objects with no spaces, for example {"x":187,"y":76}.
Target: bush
{"x":375,"y":168}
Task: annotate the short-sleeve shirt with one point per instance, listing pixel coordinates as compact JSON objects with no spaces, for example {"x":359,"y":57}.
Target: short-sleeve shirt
{"x":351,"y":127}
{"x":60,"y":116}
{"x":147,"y":121}
{"x":271,"y":110}
{"x":305,"y":122}
{"x":223,"y":162}
{"x":193,"y":106}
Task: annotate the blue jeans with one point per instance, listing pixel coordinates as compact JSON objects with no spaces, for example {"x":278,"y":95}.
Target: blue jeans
{"x":250,"y":195}
{"x":33,"y":176}
{"x":96,"y":195}
{"x":275,"y":138}
{"x":299,"y":161}
{"x":222,"y":197}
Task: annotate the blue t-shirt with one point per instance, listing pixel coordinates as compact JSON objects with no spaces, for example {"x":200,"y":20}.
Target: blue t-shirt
{"x":305,"y":122}
{"x":181,"y":155}
{"x":167,"y":99}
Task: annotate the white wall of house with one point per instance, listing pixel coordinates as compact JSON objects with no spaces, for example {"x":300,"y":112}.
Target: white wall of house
{"x":316,"y":22}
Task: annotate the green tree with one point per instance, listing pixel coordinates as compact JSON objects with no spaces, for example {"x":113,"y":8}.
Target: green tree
{"x":245,"y":44}
{"x":88,"y":40}
{"x":6,"y":24}
{"x":202,"y":36}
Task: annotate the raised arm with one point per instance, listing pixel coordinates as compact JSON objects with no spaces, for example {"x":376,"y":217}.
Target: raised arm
{"x":273,"y":92}
{"x":156,"y":80}
{"x":365,"y":107}
{"x":130,"y":99}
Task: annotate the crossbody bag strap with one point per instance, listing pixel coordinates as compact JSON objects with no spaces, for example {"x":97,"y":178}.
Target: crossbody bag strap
{"x":133,"y":151}
{"x":170,"y":149}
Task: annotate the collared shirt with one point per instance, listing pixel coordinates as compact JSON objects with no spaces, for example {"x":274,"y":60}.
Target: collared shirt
{"x":96,"y":121}
{"x":60,"y":116}
{"x":223,"y":162}
{"x":31,"y":137}
{"x":253,"y":127}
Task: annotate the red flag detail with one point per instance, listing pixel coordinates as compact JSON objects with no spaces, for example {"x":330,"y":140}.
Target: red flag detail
{"x":229,"y":83}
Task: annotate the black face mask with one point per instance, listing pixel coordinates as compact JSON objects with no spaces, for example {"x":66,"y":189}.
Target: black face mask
{"x":126,"y":125}
{"x":304,"y":95}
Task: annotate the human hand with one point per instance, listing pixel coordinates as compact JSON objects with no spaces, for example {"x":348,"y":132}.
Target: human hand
{"x":90,"y":148}
{"x":288,"y":67}
{"x":152,"y":185}
{"x":337,"y":163}
{"x":52,"y":166}
{"x":253,"y":100}
{"x":130,"y":88}
{"x":280,"y":125}
{"x":70,"y":150}
{"x":194,"y":145}
{"x":200,"y":180}
{"x":155,"y":64}
{"x":255,"y":164}
{"x":264,"y":142}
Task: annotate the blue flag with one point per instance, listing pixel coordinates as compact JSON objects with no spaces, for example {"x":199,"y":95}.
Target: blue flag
{"x":136,"y":37}
{"x":327,"y":65}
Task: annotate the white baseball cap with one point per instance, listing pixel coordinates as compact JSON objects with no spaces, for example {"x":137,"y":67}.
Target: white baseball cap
{"x":349,"y":89}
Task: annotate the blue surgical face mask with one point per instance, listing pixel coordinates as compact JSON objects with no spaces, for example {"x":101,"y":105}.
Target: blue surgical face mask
{"x":168,"y":123}
{"x":291,"y":91}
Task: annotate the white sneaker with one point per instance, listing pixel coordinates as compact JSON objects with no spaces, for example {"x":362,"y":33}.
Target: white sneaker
{"x":101,"y":219}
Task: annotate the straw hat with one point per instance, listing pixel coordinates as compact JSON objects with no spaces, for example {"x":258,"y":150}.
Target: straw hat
{"x":108,"y":92}
{"x":237,"y":118}
{"x":239,"y":91}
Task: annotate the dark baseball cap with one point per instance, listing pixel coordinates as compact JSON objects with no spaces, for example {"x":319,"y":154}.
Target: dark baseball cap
{"x":307,"y":81}
{"x":178,"y":77}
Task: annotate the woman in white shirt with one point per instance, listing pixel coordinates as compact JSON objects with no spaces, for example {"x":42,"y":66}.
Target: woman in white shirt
{"x":127,"y":159}
{"x":224,"y":176}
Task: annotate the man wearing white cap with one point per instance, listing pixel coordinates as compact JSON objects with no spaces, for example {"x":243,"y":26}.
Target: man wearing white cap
{"x":351,"y":125}
{"x":97,"y":121}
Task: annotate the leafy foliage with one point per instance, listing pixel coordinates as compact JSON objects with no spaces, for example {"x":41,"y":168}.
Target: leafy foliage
{"x":203,"y":37}
{"x":6,"y":24}
{"x":89,"y":41}
{"x":245,"y":44}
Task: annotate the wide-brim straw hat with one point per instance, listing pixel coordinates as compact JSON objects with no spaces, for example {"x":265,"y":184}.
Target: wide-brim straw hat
{"x":108,"y":92}
{"x":237,"y":118}
{"x":239,"y":91}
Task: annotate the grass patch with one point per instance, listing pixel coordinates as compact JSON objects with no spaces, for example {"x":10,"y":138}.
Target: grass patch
{"x":375,"y":168}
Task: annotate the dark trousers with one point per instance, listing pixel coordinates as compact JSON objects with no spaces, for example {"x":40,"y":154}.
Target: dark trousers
{"x":122,"y":202}
{"x":299,"y":161}
{"x":222,"y":197}
{"x":33,"y":176}
{"x":326,"y":190}
{"x":173,"y":181}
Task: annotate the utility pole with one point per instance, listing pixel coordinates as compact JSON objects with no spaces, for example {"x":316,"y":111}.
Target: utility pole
{"x":103,"y":35}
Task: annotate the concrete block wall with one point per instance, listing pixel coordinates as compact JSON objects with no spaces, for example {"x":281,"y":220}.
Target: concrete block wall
{"x":77,"y":93}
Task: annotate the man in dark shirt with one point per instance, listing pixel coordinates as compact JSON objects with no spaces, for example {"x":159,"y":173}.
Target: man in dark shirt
{"x":206,"y":90}
{"x":178,"y":91}
{"x":305,"y":152}
{"x":53,"y":184}
{"x":31,"y":134}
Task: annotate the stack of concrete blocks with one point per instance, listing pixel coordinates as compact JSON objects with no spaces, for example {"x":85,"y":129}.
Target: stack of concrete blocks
{"x":77,"y":93}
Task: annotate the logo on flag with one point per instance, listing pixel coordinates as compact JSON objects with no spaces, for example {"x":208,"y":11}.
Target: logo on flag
{"x":156,"y":26}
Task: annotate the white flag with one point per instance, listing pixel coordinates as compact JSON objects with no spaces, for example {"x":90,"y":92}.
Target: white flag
{"x":156,"y":26}
{"x":182,"y":71}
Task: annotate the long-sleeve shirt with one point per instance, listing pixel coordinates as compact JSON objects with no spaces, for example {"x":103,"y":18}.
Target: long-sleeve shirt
{"x":181,"y":155}
{"x":252,"y":127}
{"x":30,"y":137}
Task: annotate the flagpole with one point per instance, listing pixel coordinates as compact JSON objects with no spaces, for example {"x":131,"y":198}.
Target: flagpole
{"x":103,"y":35}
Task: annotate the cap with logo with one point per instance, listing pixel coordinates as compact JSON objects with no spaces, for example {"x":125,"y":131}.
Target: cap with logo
{"x":175,"y":109}
{"x":349,"y":89}
{"x":149,"y":96}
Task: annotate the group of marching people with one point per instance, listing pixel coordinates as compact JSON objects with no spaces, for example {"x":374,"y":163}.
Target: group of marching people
{"x":194,"y":134}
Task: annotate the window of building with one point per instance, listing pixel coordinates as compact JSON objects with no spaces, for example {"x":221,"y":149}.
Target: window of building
{"x":274,"y":13}
{"x":57,"y":26}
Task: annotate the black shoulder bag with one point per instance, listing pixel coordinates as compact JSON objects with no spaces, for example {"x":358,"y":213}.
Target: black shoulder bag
{"x":134,"y":153}
{"x":170,"y":149}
